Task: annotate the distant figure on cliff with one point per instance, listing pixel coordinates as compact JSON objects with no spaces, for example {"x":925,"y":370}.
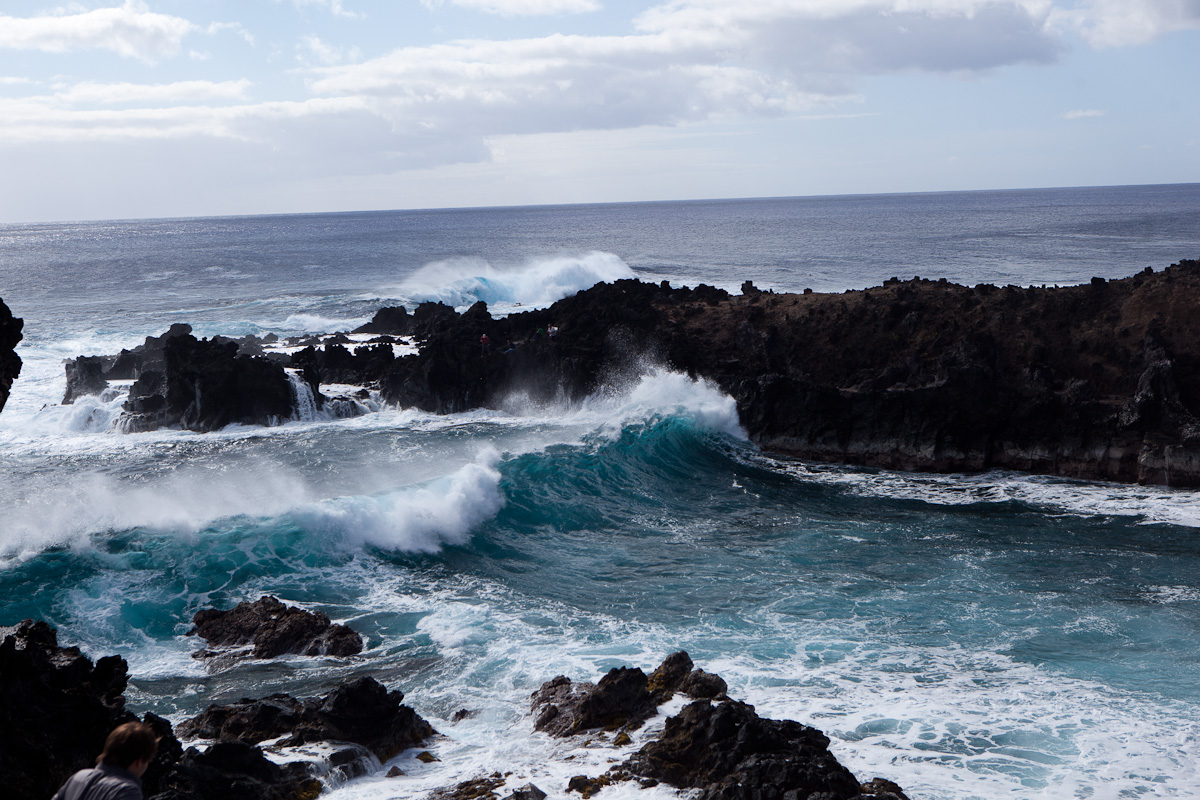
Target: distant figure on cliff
{"x":485,"y":344}
{"x":128,"y":750}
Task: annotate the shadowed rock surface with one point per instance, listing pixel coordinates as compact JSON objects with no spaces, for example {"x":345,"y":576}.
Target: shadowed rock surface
{"x":10,"y":362}
{"x":56,"y":708}
{"x":275,"y":629}
{"x":361,"y":712}
{"x":723,"y":749}
{"x":620,"y":699}
{"x":1099,"y":381}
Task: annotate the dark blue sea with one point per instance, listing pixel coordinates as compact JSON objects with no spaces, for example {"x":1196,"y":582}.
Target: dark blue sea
{"x":968,"y":636}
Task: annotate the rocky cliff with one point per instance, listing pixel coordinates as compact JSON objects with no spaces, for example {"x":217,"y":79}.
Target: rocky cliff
{"x":1099,"y":381}
{"x":10,"y":362}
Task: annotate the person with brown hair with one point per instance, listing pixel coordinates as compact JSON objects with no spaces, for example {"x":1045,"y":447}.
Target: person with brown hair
{"x":128,"y":750}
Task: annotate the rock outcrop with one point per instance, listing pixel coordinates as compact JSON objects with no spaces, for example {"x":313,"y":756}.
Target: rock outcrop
{"x":360,"y":712}
{"x":1099,"y":381}
{"x":274,"y":629}
{"x":717,"y":746}
{"x":10,"y":362}
{"x":57,"y":707}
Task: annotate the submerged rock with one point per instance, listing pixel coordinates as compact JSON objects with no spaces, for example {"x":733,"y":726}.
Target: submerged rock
{"x":10,"y":362}
{"x":275,"y":629}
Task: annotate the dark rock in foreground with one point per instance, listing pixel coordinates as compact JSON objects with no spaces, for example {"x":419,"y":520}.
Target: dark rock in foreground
{"x":10,"y":362}
{"x":275,"y":629}
{"x":722,"y":749}
{"x":361,"y":712}
{"x":730,"y":753}
{"x":56,"y":708}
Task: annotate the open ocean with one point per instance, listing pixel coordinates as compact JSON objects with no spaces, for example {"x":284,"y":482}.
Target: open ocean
{"x":968,"y":636}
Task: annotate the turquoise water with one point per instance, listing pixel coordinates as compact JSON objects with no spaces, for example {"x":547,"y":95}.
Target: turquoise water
{"x":973,"y":636}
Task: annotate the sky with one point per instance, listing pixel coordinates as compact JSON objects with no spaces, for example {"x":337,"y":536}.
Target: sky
{"x":169,"y":108}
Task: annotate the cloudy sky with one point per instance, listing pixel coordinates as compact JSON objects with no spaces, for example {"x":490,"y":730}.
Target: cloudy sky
{"x":153,"y":108}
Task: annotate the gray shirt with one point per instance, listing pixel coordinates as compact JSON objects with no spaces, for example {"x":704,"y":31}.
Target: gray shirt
{"x":105,"y":782}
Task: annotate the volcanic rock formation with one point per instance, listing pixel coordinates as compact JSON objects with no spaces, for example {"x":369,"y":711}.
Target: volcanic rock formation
{"x":10,"y":362}
{"x":1099,"y":381}
{"x":275,"y":629}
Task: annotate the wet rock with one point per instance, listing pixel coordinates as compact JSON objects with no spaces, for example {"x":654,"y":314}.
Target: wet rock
{"x":678,"y":674}
{"x":235,"y":770}
{"x":361,"y":712}
{"x":474,"y":789}
{"x":10,"y":362}
{"x":526,"y":792}
{"x":619,"y":699}
{"x":393,"y":320}
{"x":56,"y":708}
{"x":85,"y":376}
{"x":728,"y":752}
{"x":275,"y":629}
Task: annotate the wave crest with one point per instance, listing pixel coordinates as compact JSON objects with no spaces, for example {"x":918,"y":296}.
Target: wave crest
{"x":539,"y":282}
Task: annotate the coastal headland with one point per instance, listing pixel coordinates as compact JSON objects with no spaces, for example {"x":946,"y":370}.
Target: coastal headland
{"x":1099,"y":381}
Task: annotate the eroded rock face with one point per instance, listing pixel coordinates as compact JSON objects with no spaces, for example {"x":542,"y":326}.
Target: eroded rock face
{"x":1099,"y":381}
{"x":10,"y":362}
{"x":275,"y":629}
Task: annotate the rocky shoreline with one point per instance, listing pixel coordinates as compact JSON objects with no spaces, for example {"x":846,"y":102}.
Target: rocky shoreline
{"x":1099,"y":381}
{"x":57,"y":707}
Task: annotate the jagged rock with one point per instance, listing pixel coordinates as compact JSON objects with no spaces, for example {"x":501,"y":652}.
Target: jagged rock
{"x":394,"y":320}
{"x":56,"y":708}
{"x":275,"y":629}
{"x":728,"y":752}
{"x":526,"y":792}
{"x":620,"y":699}
{"x":229,"y":770}
{"x":676,"y":674}
{"x":85,"y":375}
{"x":475,"y":789}
{"x":361,"y":712}
{"x":10,"y":362}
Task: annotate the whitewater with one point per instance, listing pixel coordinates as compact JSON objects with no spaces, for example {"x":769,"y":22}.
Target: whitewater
{"x":967,"y":636}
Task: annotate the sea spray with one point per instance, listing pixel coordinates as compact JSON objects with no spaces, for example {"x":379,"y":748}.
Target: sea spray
{"x":417,"y":518}
{"x":535,"y":284}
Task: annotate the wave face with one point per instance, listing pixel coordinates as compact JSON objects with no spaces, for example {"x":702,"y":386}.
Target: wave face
{"x":984,"y":636}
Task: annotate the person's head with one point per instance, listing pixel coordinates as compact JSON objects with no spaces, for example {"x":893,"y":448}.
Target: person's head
{"x":131,"y":746}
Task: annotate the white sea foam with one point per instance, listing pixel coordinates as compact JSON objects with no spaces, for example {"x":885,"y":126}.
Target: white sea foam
{"x":415,"y":518}
{"x":535,"y":284}
{"x":1151,"y":503}
{"x":67,"y":511}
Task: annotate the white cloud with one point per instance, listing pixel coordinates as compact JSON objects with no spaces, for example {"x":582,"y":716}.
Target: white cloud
{"x":523,"y":8}
{"x":335,"y":7}
{"x":1083,"y":113}
{"x":1118,"y":23}
{"x":311,"y":51}
{"x":181,"y":92}
{"x":131,"y":30}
